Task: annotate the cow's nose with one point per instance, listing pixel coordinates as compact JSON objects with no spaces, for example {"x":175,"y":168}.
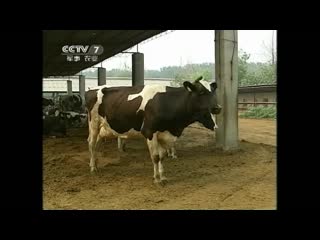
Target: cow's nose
{"x":217,"y":109}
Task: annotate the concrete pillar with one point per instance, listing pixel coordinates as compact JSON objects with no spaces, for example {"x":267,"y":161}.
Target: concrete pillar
{"x":102,"y":76}
{"x":226,"y":66}
{"x":137,"y":69}
{"x":82,"y":85}
{"x":69,"y":87}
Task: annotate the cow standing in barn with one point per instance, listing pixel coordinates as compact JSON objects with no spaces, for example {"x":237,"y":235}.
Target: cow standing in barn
{"x":121,"y":138}
{"x":47,"y":105}
{"x":62,"y":115}
{"x":159,"y":112}
{"x":71,"y":103}
{"x":72,"y":110}
{"x":47,"y":102}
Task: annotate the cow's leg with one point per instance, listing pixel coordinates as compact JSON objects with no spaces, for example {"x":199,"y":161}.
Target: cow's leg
{"x":155,"y":161}
{"x":157,"y":153}
{"x":121,"y":144}
{"x":89,"y":126}
{"x":166,"y":144}
{"x":169,"y":152}
{"x":162,"y":152}
{"x":93,"y":141}
{"x":99,"y":143}
{"x":152,"y":146}
{"x":172,"y":152}
{"x":92,"y":148}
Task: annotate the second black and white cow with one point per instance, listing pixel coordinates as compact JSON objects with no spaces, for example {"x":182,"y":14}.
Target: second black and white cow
{"x":47,"y":102}
{"x":159,"y":112}
{"x":71,"y":103}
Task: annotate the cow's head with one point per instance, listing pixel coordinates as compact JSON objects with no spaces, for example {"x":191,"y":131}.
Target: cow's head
{"x":71,"y":103}
{"x":203,"y":101}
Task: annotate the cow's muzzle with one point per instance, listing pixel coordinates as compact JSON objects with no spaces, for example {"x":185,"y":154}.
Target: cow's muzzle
{"x":216,"y":110}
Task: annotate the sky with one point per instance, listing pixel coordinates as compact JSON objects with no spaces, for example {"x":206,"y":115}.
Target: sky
{"x":180,"y":47}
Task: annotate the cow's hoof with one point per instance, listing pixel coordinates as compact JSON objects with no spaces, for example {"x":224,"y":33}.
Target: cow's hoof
{"x":94,"y":170}
{"x":124,"y":148}
{"x":95,"y":173}
{"x":156,"y":180}
{"x":163,"y":181}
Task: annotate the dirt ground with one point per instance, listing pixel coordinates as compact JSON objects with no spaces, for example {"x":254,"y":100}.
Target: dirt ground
{"x":203,"y":177}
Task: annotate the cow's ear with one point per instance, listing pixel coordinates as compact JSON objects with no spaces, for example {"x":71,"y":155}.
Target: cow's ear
{"x":213,"y":86}
{"x":189,"y":86}
{"x":198,"y":79}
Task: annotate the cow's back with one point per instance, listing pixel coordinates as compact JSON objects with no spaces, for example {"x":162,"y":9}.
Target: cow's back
{"x":121,"y":113}
{"x":113,"y":105}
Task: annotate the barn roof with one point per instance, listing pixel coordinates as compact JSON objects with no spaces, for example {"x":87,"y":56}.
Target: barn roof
{"x":113,"y":42}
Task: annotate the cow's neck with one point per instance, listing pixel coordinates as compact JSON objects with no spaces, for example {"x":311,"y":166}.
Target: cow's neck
{"x":186,"y":111}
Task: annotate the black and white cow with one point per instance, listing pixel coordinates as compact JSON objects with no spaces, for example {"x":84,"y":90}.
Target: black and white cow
{"x":47,"y":105}
{"x":72,"y":119}
{"x":159,"y":112}
{"x":47,"y":102}
{"x":71,"y":103}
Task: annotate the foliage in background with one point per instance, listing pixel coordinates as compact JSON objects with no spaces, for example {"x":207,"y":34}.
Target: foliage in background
{"x":260,"y":112}
{"x":249,"y":73}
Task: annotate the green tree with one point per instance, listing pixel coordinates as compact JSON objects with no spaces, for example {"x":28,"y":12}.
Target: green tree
{"x":243,"y":67}
{"x":190,"y":72}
